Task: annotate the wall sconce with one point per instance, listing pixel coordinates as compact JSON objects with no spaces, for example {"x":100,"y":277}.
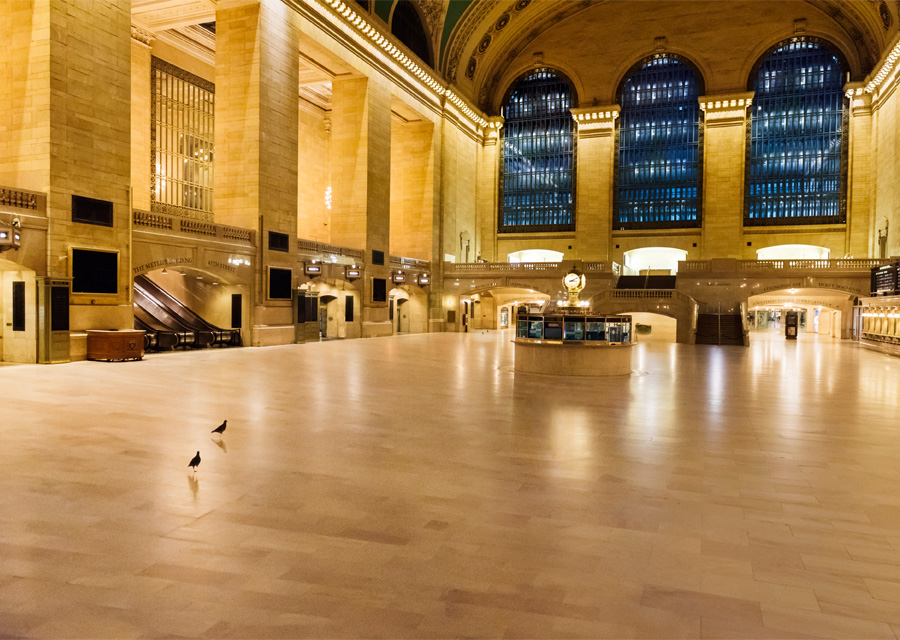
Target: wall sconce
{"x":313,"y":268}
{"x":10,"y":236}
{"x":352,"y":273}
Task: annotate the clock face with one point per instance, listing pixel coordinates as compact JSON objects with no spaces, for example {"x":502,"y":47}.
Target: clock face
{"x":572,"y":280}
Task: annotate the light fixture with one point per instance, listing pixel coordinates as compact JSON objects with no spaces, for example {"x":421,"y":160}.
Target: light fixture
{"x":164,"y":271}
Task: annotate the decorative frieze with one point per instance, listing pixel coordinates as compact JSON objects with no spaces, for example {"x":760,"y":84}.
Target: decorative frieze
{"x":723,"y":110}
{"x":593,"y":122}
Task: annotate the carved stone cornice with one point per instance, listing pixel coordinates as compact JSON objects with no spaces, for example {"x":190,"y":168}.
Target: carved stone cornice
{"x":492,"y":130}
{"x":594,"y":122}
{"x":724,"y":110}
{"x":860,"y":101}
{"x":144,"y":36}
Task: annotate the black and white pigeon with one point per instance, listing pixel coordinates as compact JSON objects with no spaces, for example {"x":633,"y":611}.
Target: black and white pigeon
{"x":221,"y":428}
{"x":195,"y":461}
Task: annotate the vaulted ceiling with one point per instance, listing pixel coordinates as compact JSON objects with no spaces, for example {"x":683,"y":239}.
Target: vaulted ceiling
{"x":488,"y":43}
{"x":483,"y":45}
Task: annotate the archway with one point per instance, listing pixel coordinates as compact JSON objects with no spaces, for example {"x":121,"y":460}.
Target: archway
{"x":793,"y":252}
{"x":408,"y":309}
{"x":654,"y":260}
{"x":823,"y":312}
{"x":535,"y":255}
{"x":338,"y":308}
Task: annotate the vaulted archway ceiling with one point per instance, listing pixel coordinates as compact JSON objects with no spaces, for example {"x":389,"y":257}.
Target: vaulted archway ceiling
{"x":483,"y":45}
{"x":487,"y":44}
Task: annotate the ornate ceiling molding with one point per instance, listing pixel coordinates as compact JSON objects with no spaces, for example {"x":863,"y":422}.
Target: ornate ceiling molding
{"x":478,"y":55}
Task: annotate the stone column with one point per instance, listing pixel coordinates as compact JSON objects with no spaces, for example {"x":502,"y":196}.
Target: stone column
{"x":257,"y":119}
{"x":860,"y":241}
{"x":595,"y":130}
{"x":141,"y":42}
{"x":488,"y":192}
{"x":361,"y":187}
{"x":724,"y":152}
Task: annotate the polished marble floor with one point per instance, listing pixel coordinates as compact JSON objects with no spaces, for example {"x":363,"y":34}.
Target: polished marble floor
{"x":415,"y":487}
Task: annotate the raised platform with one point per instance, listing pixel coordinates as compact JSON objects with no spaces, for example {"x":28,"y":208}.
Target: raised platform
{"x":559,"y":358}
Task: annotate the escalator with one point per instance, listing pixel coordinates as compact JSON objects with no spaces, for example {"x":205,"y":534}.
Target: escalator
{"x":170,"y":324}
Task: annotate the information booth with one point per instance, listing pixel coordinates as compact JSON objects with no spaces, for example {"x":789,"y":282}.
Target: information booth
{"x":569,"y":328}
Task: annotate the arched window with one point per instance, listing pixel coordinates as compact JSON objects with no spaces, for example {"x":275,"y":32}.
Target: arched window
{"x":659,"y":157}
{"x":537,"y":179}
{"x":407,"y":26}
{"x":796,"y":152}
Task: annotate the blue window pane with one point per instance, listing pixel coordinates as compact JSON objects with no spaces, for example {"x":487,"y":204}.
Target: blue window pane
{"x":538,"y":155}
{"x":794,"y":155}
{"x":658,"y":162}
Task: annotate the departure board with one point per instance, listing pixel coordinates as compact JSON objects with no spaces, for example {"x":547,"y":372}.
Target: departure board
{"x":884,"y":280}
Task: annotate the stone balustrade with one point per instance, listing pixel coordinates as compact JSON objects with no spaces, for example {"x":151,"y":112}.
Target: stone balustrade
{"x":148,"y":220}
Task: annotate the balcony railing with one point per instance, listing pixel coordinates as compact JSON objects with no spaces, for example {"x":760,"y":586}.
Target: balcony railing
{"x":826,"y":264}
{"x":323,"y":248}
{"x":176,"y":224}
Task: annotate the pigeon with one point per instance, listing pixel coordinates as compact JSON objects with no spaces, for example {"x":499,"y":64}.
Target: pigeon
{"x":221,"y":428}
{"x":195,"y":461}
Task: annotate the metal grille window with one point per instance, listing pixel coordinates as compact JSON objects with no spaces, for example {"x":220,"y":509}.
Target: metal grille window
{"x":181,"y":141}
{"x":659,"y":157}
{"x":538,"y":155}
{"x":796,"y":155}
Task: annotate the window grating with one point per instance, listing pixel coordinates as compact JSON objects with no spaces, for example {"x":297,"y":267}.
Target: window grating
{"x":796,"y":156}
{"x":537,"y":180}
{"x":181,"y":142}
{"x":658,"y":159}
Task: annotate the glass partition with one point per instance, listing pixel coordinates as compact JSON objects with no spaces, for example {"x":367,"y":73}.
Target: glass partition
{"x":574,"y":329}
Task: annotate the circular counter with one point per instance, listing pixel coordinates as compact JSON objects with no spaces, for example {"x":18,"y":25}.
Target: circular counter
{"x":559,"y":358}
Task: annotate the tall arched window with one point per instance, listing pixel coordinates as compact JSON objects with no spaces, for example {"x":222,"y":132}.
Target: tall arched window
{"x":659,"y":158}
{"x":796,"y":152}
{"x":537,"y":180}
{"x":407,"y":26}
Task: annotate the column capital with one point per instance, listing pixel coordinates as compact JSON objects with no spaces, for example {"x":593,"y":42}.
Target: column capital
{"x":142,"y":35}
{"x":860,"y":100}
{"x":726,"y":109}
{"x":595,"y":121}
{"x":491,"y":131}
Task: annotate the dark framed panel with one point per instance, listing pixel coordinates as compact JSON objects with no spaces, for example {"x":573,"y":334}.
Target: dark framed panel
{"x":92,"y":211}
{"x":659,"y":146}
{"x":537,"y":154}
{"x":236,"y":308}
{"x":348,"y":309}
{"x":59,"y":308}
{"x":279,"y":241}
{"x":280,"y":285}
{"x":379,"y":290}
{"x":18,"y":305}
{"x":95,"y":271}
{"x":797,"y":151}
